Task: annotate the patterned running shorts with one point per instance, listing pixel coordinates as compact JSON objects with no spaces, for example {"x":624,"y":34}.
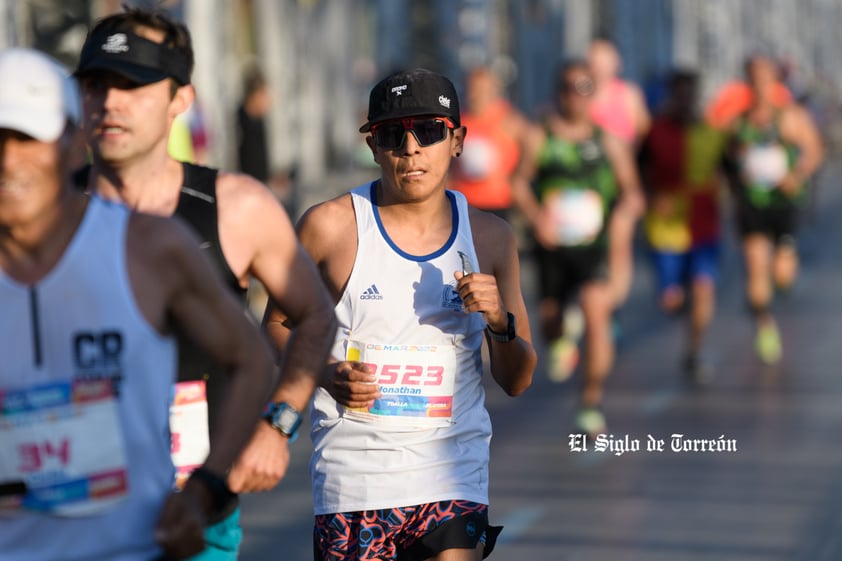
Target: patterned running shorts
{"x":410,"y":533}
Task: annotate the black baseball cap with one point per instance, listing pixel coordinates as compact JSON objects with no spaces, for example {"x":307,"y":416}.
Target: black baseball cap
{"x":133,"y":57}
{"x":412,"y":93}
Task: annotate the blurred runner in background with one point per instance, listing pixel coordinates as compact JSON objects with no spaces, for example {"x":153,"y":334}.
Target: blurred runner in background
{"x":492,"y":149}
{"x":681,"y":165}
{"x":572,"y":177}
{"x":618,"y":107}
{"x":773,"y":152}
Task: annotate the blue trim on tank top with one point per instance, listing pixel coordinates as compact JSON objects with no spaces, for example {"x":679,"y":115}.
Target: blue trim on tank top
{"x":399,"y":251}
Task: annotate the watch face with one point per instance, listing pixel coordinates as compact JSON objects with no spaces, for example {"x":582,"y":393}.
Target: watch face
{"x":286,"y":419}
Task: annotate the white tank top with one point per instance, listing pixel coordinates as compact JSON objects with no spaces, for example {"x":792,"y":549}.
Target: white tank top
{"x":82,"y":321}
{"x":405,"y":311}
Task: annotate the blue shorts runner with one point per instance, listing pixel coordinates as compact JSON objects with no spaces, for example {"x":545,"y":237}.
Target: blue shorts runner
{"x":410,"y":533}
{"x":677,"y":269}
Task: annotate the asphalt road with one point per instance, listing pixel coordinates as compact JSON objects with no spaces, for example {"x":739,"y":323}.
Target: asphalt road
{"x":776,"y":497}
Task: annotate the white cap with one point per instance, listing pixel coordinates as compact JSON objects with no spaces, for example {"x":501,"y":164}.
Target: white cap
{"x":37,"y":94}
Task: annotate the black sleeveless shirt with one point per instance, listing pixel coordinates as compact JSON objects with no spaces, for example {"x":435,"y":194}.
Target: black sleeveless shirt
{"x":197,"y":206}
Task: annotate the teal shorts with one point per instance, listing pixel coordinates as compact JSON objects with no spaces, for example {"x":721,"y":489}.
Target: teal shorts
{"x":222,"y":540}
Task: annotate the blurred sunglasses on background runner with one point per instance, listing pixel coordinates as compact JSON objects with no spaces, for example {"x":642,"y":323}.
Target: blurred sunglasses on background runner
{"x":427,"y":131}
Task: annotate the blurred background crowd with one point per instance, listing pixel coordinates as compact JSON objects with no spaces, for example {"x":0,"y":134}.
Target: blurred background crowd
{"x":312,"y":62}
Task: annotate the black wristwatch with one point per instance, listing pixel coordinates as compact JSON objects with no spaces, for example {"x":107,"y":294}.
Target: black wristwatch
{"x":509,"y":335}
{"x":284,"y":418}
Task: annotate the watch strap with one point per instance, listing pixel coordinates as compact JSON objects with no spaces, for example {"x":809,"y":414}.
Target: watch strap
{"x":273,"y":413}
{"x":509,"y":335}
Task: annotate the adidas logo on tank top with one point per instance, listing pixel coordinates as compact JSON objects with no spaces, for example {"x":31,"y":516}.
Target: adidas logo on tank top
{"x":371,"y":293}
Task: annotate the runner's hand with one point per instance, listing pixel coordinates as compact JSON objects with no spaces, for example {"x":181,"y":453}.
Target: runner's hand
{"x":479,"y":293}
{"x":545,"y":232}
{"x":180,"y":528}
{"x":790,"y":184}
{"x":263,"y":463}
{"x":351,"y":384}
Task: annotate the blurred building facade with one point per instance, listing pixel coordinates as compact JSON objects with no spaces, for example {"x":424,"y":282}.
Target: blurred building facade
{"x":322,"y":56}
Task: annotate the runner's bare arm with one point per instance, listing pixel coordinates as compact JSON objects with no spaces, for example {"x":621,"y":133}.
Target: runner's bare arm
{"x":328,"y":234}
{"x":525,"y":172}
{"x":290,"y":278}
{"x":798,"y":128}
{"x":203,"y":309}
{"x":256,"y":230}
{"x":625,"y":171}
{"x":176,"y":288}
{"x":524,"y":196}
{"x":517,"y":126}
{"x":642,"y":118}
{"x":494,"y":294}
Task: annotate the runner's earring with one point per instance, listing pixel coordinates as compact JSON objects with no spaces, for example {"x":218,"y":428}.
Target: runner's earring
{"x":458,"y":154}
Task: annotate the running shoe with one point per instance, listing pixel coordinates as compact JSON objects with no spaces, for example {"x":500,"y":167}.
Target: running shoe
{"x":564,"y":357}
{"x":590,"y":421}
{"x":768,"y":343}
{"x":574,"y":323}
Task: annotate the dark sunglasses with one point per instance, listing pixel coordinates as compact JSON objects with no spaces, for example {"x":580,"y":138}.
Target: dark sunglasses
{"x":426,"y":130}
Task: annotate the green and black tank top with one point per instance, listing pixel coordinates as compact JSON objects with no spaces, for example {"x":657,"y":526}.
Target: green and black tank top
{"x":576,"y":186}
